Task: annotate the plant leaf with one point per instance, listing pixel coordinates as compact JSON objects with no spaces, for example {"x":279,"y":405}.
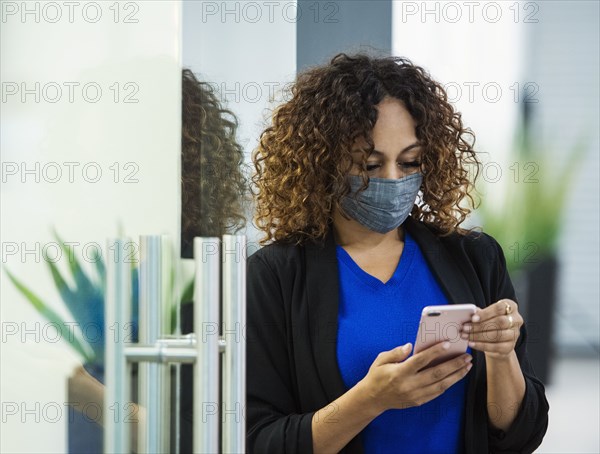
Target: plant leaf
{"x":85,"y":301}
{"x":530,"y":217}
{"x":82,"y":348}
{"x":100,"y":268}
{"x":82,"y":282}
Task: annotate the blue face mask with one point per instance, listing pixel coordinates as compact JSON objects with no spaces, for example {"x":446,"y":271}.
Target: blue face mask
{"x":386,"y":202}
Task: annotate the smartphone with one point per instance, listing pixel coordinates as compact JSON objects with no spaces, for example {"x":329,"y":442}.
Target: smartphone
{"x":443,"y":323}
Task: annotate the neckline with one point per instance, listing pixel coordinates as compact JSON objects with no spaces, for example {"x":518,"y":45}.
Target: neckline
{"x":397,"y":277}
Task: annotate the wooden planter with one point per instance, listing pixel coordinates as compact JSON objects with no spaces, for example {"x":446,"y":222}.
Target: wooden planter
{"x":85,"y":435}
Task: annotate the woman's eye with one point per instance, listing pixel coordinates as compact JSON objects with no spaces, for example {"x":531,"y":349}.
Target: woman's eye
{"x":411,"y":164}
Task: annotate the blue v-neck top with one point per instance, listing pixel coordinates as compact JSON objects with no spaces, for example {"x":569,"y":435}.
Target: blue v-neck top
{"x":375,"y":317}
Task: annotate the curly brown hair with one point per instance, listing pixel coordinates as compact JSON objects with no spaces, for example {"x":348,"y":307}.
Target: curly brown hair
{"x":304,"y":156}
{"x":213,"y":186}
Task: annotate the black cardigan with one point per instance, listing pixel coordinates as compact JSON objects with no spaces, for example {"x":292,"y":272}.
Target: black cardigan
{"x":292,"y":370}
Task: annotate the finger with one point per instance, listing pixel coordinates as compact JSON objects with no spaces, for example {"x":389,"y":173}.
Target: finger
{"x":421,"y":359}
{"x":394,"y":355}
{"x":503,"y":335}
{"x":496,"y":323}
{"x":488,"y":313}
{"x":494,"y":310}
{"x":433,"y":390}
{"x":440,"y":371}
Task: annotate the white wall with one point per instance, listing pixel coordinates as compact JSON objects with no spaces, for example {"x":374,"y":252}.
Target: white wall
{"x":475,"y":50}
{"x":52,"y":50}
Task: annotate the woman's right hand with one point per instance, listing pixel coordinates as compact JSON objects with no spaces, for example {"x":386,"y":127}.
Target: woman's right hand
{"x":394,"y":384}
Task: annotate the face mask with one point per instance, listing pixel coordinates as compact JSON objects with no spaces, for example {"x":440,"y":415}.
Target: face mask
{"x":385,"y":203}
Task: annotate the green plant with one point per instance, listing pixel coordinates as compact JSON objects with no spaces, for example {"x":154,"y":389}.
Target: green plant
{"x":84,"y":300}
{"x":527,"y":223}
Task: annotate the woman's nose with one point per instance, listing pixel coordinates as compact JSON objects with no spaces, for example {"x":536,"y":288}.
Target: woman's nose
{"x":393,"y":171}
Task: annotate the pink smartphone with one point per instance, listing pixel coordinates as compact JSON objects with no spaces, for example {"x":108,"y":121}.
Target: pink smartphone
{"x":443,"y":323}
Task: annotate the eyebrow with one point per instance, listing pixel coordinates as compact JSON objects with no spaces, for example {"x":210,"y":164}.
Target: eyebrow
{"x":410,"y":147}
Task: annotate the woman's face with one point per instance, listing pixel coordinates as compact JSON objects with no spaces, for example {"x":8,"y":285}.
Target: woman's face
{"x":397,"y":152}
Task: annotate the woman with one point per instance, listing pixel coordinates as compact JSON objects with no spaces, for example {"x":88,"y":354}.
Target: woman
{"x":213,"y":186}
{"x":349,"y":261}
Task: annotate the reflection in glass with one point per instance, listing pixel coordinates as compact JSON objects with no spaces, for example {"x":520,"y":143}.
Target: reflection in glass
{"x":213,"y":185}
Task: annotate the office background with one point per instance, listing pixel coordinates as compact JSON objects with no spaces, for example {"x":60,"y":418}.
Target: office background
{"x":504,"y":64}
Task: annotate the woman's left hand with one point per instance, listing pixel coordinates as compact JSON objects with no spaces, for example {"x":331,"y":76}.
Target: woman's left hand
{"x":495,"y":329}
